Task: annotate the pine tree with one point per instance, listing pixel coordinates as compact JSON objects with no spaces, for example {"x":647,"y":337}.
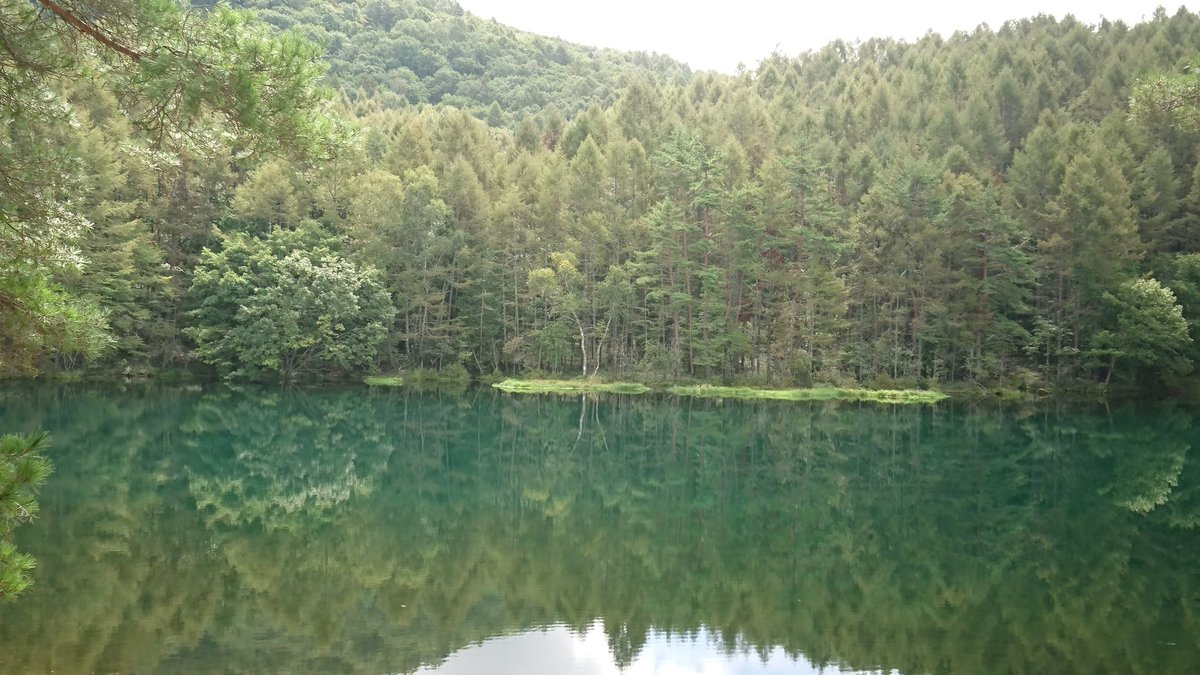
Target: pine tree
{"x":23,"y":470}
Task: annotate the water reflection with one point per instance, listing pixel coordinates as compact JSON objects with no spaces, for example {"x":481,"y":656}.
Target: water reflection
{"x":558,"y":649}
{"x":349,"y":531}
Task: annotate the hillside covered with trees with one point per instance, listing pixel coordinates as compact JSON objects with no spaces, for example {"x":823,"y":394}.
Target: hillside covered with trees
{"x":402,"y":52}
{"x":974,"y":208}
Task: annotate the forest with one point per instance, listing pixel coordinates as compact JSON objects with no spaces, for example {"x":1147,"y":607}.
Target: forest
{"x":322,"y":189}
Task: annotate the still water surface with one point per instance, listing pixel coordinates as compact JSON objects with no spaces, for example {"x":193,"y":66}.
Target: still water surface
{"x":252,"y":530}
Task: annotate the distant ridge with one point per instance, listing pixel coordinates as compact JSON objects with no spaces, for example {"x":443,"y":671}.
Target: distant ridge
{"x":404,"y":52}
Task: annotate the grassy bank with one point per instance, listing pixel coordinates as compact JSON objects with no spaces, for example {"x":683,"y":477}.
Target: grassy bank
{"x":383,"y":381}
{"x":812,"y":394}
{"x":569,"y":387}
{"x":710,"y":391}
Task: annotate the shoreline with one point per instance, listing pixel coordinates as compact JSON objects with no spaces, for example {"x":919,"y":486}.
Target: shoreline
{"x":422,"y":379}
{"x":894,"y":396}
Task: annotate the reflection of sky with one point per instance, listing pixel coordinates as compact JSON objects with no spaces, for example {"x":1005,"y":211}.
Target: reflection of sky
{"x":556,"y":650}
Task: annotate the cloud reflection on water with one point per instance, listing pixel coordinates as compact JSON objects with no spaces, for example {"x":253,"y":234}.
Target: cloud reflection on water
{"x":557,"y":649}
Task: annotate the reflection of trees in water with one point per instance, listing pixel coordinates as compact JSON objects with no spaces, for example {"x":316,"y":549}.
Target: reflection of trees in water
{"x":279,"y":457}
{"x":353,"y":532}
{"x":122,"y":565}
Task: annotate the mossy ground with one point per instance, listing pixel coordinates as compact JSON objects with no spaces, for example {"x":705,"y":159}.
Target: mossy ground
{"x":710,"y":391}
{"x":569,"y":387}
{"x":812,"y":394}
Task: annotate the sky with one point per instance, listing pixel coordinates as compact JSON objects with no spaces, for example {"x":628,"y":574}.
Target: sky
{"x":711,"y":35}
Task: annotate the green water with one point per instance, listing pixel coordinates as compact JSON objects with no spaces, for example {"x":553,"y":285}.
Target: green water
{"x":213,"y":530}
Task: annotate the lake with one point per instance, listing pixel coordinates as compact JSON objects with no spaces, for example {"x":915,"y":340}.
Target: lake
{"x":213,"y":529}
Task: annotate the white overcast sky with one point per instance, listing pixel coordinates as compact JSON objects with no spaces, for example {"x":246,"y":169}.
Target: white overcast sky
{"x":719,"y":35}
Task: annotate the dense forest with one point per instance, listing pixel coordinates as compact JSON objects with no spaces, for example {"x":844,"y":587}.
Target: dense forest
{"x":982,"y":208}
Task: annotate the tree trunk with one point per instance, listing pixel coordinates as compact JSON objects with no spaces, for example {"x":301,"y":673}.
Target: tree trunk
{"x":582,"y":346}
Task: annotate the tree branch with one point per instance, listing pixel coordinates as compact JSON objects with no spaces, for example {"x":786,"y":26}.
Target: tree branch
{"x":83,"y":27}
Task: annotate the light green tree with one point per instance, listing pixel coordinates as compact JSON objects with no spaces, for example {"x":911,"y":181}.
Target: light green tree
{"x":1151,"y":331}
{"x":561,"y":286}
{"x":286,"y":306}
{"x":1184,"y":282}
{"x":1173,"y":97}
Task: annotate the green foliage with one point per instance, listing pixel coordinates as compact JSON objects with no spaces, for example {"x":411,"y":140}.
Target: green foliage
{"x":186,"y":78}
{"x":22,"y":471}
{"x":1175,"y":98}
{"x":834,"y":217}
{"x":191,"y":82}
{"x":228,"y":66}
{"x":37,"y":317}
{"x":945,"y":211}
{"x":1184,"y":281}
{"x":276,"y":306}
{"x":403,"y":52}
{"x":1151,"y":330}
